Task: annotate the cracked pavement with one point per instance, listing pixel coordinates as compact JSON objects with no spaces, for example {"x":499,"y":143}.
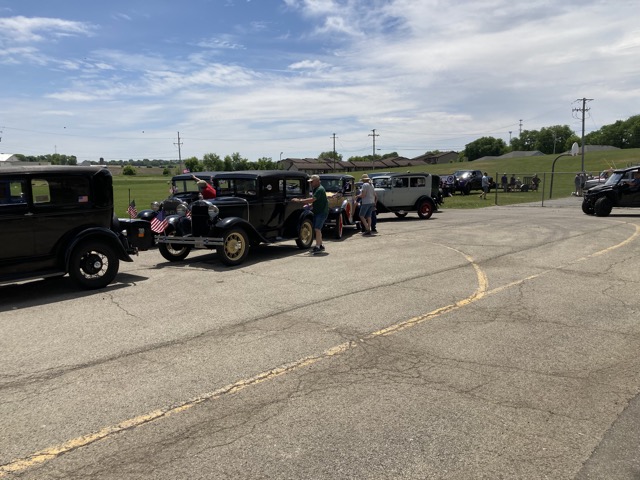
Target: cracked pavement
{"x":512,"y":353}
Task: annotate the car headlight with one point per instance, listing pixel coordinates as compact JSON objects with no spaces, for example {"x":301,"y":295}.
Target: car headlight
{"x":213,"y":211}
{"x":155,"y":206}
{"x":181,"y":209}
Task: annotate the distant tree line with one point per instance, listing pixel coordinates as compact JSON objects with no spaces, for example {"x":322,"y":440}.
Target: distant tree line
{"x":53,"y":158}
{"x":557,"y":139}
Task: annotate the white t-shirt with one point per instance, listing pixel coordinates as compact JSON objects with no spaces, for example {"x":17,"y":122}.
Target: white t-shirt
{"x":369,"y":194}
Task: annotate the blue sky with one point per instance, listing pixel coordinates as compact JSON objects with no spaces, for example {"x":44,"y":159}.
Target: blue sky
{"x":271,"y":78}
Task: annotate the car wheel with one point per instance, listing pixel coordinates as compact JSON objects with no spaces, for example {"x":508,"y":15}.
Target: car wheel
{"x":400,"y":214}
{"x":234,"y":248}
{"x":587,"y":208}
{"x":174,"y":253}
{"x":93,"y":264}
{"x":305,"y":234}
{"x":602,"y":207}
{"x":425,"y":210}
{"x":339,"y":226}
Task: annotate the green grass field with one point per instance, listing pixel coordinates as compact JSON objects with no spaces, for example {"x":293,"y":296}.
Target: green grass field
{"x":145,"y":189}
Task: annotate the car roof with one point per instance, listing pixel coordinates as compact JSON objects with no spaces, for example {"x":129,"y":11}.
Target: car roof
{"x":188,"y":176}
{"x":399,"y":174}
{"x":263,"y":173}
{"x":331,"y":176}
{"x":628,"y":169}
{"x":64,"y":169}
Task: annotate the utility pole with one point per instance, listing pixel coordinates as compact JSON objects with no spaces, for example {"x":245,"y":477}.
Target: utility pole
{"x":373,"y":157}
{"x":520,"y":128}
{"x":510,"y":137}
{"x":583,"y":110}
{"x":179,"y":151}
{"x":334,"y":152}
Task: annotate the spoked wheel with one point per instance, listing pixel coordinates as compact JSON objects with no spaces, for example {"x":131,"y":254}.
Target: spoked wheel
{"x":234,"y":248}
{"x":339,"y":226}
{"x":93,"y":265}
{"x":400,"y":213}
{"x":305,"y":234}
{"x":425,"y":210}
{"x":174,"y":252}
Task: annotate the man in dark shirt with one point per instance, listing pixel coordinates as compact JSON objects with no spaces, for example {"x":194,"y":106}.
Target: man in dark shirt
{"x":320,"y":209}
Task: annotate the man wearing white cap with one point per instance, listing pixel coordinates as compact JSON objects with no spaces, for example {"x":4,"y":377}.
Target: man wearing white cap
{"x":320,"y":209}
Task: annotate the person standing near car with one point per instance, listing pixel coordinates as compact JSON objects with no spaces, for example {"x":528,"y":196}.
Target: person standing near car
{"x":320,"y":209}
{"x":485,"y":186}
{"x":367,"y":198}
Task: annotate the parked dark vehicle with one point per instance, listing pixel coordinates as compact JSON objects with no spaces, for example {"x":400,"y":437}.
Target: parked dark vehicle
{"x":467,"y":180}
{"x":341,"y":195}
{"x":622,"y":189}
{"x":401,"y":193}
{"x":253,"y":207}
{"x":60,"y":220}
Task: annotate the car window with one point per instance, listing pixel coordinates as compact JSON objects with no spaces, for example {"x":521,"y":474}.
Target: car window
{"x":11,"y":192}
{"x":272,"y":187}
{"x":401,"y":182}
{"x":294,"y":187}
{"x":348,"y":186}
{"x":70,"y":191}
{"x":331,"y":185}
{"x":418,"y":182}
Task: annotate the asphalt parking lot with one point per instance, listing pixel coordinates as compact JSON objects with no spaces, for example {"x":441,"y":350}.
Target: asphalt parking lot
{"x":492,"y":343}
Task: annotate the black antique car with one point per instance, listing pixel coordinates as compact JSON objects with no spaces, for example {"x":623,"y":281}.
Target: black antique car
{"x":58,"y":220}
{"x":341,"y":195}
{"x":622,"y":189}
{"x":253,"y":207}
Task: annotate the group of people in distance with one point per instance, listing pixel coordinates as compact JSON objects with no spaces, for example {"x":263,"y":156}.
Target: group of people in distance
{"x":514,"y":184}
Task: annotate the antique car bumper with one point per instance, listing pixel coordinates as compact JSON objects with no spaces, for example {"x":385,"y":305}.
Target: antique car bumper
{"x":194,"y":242}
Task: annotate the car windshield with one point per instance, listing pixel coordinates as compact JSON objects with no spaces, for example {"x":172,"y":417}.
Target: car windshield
{"x":331,"y":184}
{"x":462,"y":173}
{"x":614,"y":178}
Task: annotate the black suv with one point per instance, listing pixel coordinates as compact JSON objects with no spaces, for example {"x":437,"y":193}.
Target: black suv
{"x":252,"y":207}
{"x":59,"y":220}
{"x":467,"y":180}
{"x":622,"y":189}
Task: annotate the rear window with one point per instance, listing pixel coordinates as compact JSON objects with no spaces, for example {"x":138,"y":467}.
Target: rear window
{"x":60,"y":191}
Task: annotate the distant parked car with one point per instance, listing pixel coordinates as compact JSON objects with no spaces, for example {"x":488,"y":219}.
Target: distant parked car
{"x":467,"y":180}
{"x":401,"y":193}
{"x":341,"y":195}
{"x":256,"y":207}
{"x":622,"y":189}
{"x":599,"y":180}
{"x":58,"y":220}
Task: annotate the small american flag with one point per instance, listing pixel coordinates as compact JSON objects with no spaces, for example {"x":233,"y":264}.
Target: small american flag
{"x":159,"y":223}
{"x":188,"y":214}
{"x":133,"y":213}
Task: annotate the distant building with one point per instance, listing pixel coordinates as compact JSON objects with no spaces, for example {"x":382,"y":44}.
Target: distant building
{"x":11,"y":159}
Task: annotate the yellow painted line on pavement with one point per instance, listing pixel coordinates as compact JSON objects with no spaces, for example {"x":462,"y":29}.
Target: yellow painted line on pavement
{"x":43,"y":456}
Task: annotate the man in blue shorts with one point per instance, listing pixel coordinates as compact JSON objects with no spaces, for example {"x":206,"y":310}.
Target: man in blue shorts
{"x":368,"y":203}
{"x":320,"y":209}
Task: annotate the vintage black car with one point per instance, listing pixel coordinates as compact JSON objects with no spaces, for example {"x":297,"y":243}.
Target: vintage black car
{"x":622,"y":189}
{"x":341,"y":195}
{"x":59,"y":220}
{"x":253,"y":207}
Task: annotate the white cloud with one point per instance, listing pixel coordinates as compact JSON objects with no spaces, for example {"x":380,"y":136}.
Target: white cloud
{"x":26,"y":30}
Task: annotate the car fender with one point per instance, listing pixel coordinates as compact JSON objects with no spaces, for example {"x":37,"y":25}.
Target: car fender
{"x":230,"y":222}
{"x":98,"y":233}
{"x":428,"y":199}
{"x":147,"y":215}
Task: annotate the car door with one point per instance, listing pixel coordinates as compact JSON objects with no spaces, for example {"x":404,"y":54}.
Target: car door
{"x":270,"y":216}
{"x":16,"y":219}
{"x":401,"y":193}
{"x":630,"y":195}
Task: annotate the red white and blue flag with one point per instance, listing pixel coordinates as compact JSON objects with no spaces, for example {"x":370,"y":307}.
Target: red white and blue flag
{"x":133,"y":213}
{"x":159,"y":223}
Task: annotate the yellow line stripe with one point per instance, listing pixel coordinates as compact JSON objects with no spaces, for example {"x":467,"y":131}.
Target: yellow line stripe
{"x":51,"y":453}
